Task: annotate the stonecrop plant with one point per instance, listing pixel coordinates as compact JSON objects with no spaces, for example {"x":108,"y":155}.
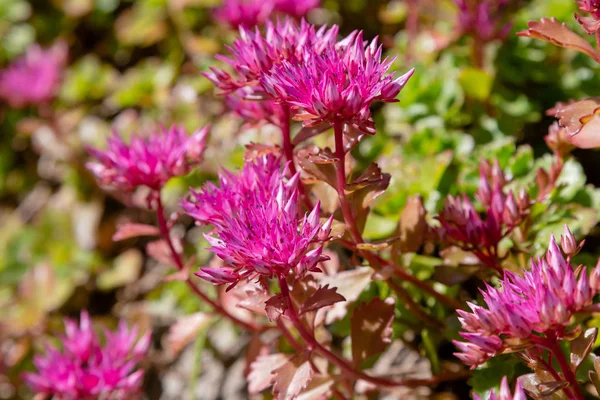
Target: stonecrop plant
{"x":300,"y":200}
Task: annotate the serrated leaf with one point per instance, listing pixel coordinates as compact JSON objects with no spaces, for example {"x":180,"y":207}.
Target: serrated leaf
{"x":371,"y":328}
{"x":262,"y":369}
{"x":323,"y":297}
{"x":275,"y":307}
{"x":292,"y":377}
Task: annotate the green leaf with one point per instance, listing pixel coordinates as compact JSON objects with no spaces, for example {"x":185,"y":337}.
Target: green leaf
{"x":476,"y":83}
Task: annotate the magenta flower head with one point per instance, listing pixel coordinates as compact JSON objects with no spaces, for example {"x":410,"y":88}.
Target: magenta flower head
{"x":485,"y":19}
{"x":526,"y":309}
{"x":336,"y":85}
{"x":86,"y":369}
{"x":505,"y":393}
{"x":35,"y":77}
{"x":255,"y":53}
{"x":590,"y":24}
{"x":257,"y":228}
{"x":147,"y":161}
{"x":296,"y":8}
{"x":244,"y":13}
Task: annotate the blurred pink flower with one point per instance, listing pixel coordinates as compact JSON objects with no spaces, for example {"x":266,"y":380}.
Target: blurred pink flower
{"x":505,"y":393}
{"x":35,"y":77}
{"x":254,"y":53}
{"x":486,"y":19}
{"x":257,"y":227}
{"x":255,"y":112}
{"x":590,"y":24}
{"x":338,"y":84}
{"x":150,"y":161}
{"x":296,"y":8}
{"x":540,"y":302}
{"x":85,"y":369}
{"x":244,"y":13}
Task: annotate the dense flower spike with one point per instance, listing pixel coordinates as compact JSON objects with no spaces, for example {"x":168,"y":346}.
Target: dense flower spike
{"x":255,"y":53}
{"x":258,"y":231}
{"x":34,"y":78}
{"x":338,"y":84}
{"x":85,"y":369}
{"x":150,"y":161}
{"x":590,"y":24}
{"x":260,"y":179}
{"x":463,"y":226}
{"x":485,"y":19}
{"x":248,"y":13}
{"x":540,"y":302}
{"x":505,"y":393}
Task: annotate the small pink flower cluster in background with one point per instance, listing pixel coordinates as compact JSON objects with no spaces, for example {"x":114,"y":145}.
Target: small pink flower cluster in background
{"x":258,"y":231}
{"x":505,"y":393}
{"x":34,"y":78}
{"x":248,"y":13}
{"x":85,"y":368}
{"x":590,"y":24}
{"x":541,"y":302}
{"x":150,"y":161}
{"x":485,"y":19}
{"x":463,"y":226}
{"x":255,"y":112}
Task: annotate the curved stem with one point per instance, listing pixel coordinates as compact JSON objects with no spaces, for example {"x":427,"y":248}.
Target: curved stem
{"x":166,"y":235}
{"x":349,"y":370}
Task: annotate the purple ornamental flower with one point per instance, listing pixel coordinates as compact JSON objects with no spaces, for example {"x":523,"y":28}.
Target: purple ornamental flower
{"x":336,"y":85}
{"x":34,"y":78}
{"x":244,"y":13}
{"x":255,"y":53}
{"x":296,"y":8}
{"x":541,"y":302}
{"x":150,"y":161}
{"x":257,"y":228}
{"x":85,"y":369}
{"x":505,"y":393}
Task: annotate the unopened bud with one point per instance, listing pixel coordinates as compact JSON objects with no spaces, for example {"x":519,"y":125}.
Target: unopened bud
{"x":568,"y":242}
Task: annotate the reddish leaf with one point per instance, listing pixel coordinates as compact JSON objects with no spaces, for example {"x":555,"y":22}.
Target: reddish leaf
{"x":590,"y":25}
{"x":131,"y":230}
{"x":369,"y":185}
{"x":573,"y":116}
{"x":319,"y":388}
{"x":318,"y":163}
{"x":551,"y":30}
{"x":323,"y":297}
{"x":371,"y":328}
{"x":412,"y":227}
{"x":292,"y":377}
{"x":275,"y":307}
{"x":256,"y":150}
{"x":255,"y":349}
{"x":159,"y":250}
{"x":582,"y":346}
{"x":372,"y":175}
{"x":309,"y":131}
{"x":185,"y":330}
{"x":261,"y":371}
{"x":349,"y":284}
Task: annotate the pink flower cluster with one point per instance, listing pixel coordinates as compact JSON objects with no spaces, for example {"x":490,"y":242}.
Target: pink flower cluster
{"x":148,"y":161}
{"x":308,"y":70}
{"x":590,"y":24}
{"x":257,"y":228}
{"x":541,"y":301}
{"x":248,"y":13}
{"x":505,"y":393}
{"x":255,"y":112}
{"x":485,"y":19}
{"x":85,"y":369}
{"x":338,"y":84}
{"x":34,"y":78}
{"x":463,"y":226}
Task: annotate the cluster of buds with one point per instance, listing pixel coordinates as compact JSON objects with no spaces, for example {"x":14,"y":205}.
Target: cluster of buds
{"x":485,"y":19}
{"x":258,"y":231}
{"x":590,"y":24}
{"x":558,"y":140}
{"x":526,"y":309}
{"x":147,"y":161}
{"x":248,"y":13}
{"x":320,"y":78}
{"x":505,"y":393}
{"x":34,"y":78}
{"x":463,"y":226}
{"x":85,"y":369}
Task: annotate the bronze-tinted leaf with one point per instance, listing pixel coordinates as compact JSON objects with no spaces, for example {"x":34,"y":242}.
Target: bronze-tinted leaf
{"x":574,"y":115}
{"x":349,"y":284}
{"x":323,"y":297}
{"x":309,"y":131}
{"x":186,"y":329}
{"x":364,"y":190}
{"x":256,"y":150}
{"x":595,"y":379}
{"x":275,"y":307}
{"x":589,"y":135}
{"x":549,"y":388}
{"x":582,"y":346}
{"x":130,"y":230}
{"x":159,"y":250}
{"x":372,"y":175}
{"x":292,"y":377}
{"x":412,"y":227}
{"x":319,"y":388}
{"x":371,"y":328}
{"x":262,"y":369}
{"x":551,"y":30}
{"x":318,"y":163}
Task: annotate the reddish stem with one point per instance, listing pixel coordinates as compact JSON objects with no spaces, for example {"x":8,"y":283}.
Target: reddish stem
{"x":163,"y":226}
{"x":349,"y":370}
{"x":554,"y":348}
